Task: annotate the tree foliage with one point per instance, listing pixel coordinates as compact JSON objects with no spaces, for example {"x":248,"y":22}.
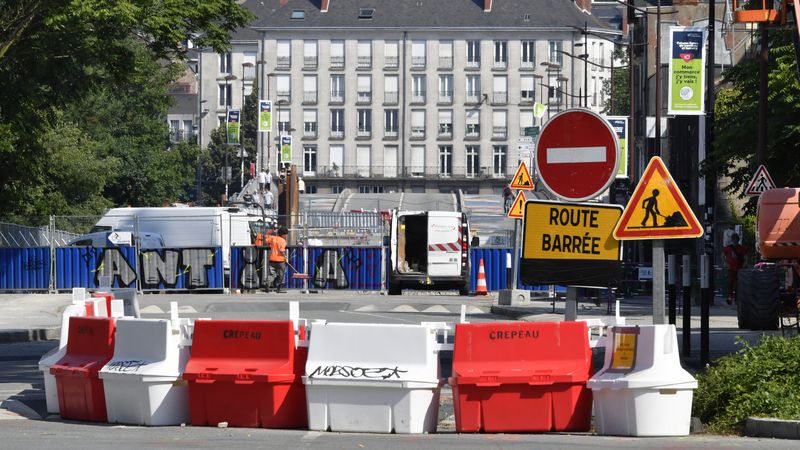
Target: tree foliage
{"x":619,"y":103}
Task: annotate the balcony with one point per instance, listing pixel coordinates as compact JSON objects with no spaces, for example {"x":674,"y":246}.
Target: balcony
{"x":469,"y":172}
{"x":446,"y":97}
{"x":309,"y":62}
{"x":364,"y":133}
{"x":418,"y":97}
{"x":391,"y":62}
{"x":445,"y":62}
{"x":499,"y":98}
{"x":500,"y":65}
{"x":337,"y":96}
{"x":337,"y":134}
{"x":417,"y":62}
{"x":417,"y":132}
{"x":364,"y":62}
{"x":309,"y":97}
{"x":473,"y":65}
{"x":390,"y":98}
{"x":310,"y":130}
{"x":473,"y":98}
{"x":527,"y":65}
{"x":364,"y":97}
{"x":499,"y":132}
{"x":390,"y":134}
{"x":337,"y":62}
{"x":285,"y":96}
{"x":284,"y":63}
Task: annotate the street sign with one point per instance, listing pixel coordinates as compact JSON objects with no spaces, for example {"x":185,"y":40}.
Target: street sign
{"x":522,"y":178}
{"x":525,"y":140}
{"x":657,"y":209}
{"x":516,"y":210}
{"x":761,"y":182}
{"x":577,"y":155}
{"x":530,"y":131}
{"x":570,"y":243}
{"x":620,"y":126}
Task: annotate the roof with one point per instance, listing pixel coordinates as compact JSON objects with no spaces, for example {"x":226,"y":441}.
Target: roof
{"x":416,"y":14}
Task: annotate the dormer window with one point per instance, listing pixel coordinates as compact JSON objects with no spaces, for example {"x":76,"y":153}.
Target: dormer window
{"x":298,"y":14}
{"x":366,"y":13}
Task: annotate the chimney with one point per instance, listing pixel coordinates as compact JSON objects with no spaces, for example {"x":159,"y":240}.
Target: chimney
{"x":585,"y":5}
{"x":487,"y":5}
{"x":283,"y":2}
{"x":323,"y":7}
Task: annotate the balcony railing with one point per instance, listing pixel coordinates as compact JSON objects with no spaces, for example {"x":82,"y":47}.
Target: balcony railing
{"x":337,"y":96}
{"x":473,"y":131}
{"x":445,"y":62}
{"x":364,"y":62}
{"x":417,"y":132}
{"x":285,"y":96}
{"x":499,"y":132}
{"x":499,"y":98}
{"x":309,"y":97}
{"x":364,"y":133}
{"x":364,"y":97}
{"x":337,"y":134}
{"x":473,"y":97}
{"x":390,"y":98}
{"x":502,"y":65}
{"x":527,"y":65}
{"x":475,"y":64}
{"x":392,"y":171}
{"x":417,"y":62}
{"x":337,"y":62}
{"x":418,"y":97}
{"x":310,"y":62}
{"x":392,"y":62}
{"x":446,"y":97}
{"x":284,"y":62}
{"x":446,"y":130}
{"x":390,"y":133}
{"x":310,"y":130}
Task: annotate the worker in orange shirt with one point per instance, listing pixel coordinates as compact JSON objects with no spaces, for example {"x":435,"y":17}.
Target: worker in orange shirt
{"x":277,"y":256}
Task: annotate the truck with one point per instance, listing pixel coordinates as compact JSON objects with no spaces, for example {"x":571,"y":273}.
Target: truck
{"x":175,"y":227}
{"x":429,"y":250}
{"x":767,"y":294}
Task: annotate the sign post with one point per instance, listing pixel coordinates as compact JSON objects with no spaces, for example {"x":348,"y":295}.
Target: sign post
{"x":511,"y":295}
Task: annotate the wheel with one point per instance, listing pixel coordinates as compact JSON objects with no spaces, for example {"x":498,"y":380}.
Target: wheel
{"x":464,"y":289}
{"x":395,"y":289}
{"x":758,"y":295}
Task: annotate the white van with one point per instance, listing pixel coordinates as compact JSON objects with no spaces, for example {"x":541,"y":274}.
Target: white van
{"x":429,"y":250}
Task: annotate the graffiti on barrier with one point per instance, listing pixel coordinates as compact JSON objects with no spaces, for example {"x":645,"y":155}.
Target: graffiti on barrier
{"x":329,"y":269}
{"x":163,"y":268}
{"x":252,"y":275}
{"x":112,"y":263}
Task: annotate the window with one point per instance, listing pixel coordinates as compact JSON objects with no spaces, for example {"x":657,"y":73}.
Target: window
{"x":418,"y":55}
{"x":390,"y":52}
{"x":175,"y":131}
{"x":390,"y":161}
{"x":364,"y":54}
{"x":528,"y":59}
{"x":445,"y":123}
{"x":390,"y":92}
{"x":499,"y":156}
{"x":337,"y":54}
{"x":527,"y":89}
{"x":499,"y":124}
{"x":249,"y":69}
{"x":336,"y":159}
{"x":337,"y":189}
{"x":446,"y":89}
{"x":283,"y":88}
{"x":500,"y":93}
{"x":309,"y":160}
{"x":473,"y":88}
{"x":473,"y":161}
{"x":418,"y":124}
{"x":602,"y":53}
{"x":364,"y":89}
{"x":500,"y":54}
{"x":594,"y":56}
{"x":390,"y":122}
{"x":284,"y":54}
{"x":310,"y":54}
{"x":284,"y":121}
{"x":364,"y":122}
{"x":310,"y":89}
{"x":188,"y":130}
{"x":445,"y":54}
{"x":225,"y":62}
{"x":417,"y":160}
{"x":370,"y":189}
{"x":363,"y":160}
{"x":446,"y":160}
{"x":552,"y":89}
{"x":365,"y":13}
{"x":298,"y":14}
{"x":337,"y":123}
{"x":473,"y":123}
{"x":224,"y":95}
{"x":594,"y":91}
{"x":337,"y":88}
{"x":418,"y":89}
{"x":555,"y":52}
{"x":311,"y":188}
{"x":310,"y":123}
{"x":525,"y":120}
{"x":473,"y":54}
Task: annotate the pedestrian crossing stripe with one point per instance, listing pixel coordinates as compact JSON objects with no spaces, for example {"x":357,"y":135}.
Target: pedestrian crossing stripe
{"x":761,"y":182}
{"x":522,"y":178}
{"x":657,"y":209}
{"x":515,"y":212}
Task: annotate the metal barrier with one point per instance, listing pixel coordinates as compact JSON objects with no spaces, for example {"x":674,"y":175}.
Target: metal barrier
{"x":21,"y":236}
{"x":25,"y":269}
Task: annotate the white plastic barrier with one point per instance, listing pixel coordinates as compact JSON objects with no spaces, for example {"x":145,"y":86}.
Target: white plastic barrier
{"x":142,"y":382}
{"x":373,"y":378}
{"x":52,"y":357}
{"x":642,"y":389}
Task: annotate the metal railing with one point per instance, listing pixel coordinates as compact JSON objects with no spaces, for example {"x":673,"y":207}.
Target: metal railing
{"x":390,"y":98}
{"x":310,"y":62}
{"x":309,"y":96}
{"x":475,"y":64}
{"x":284,"y":62}
{"x":417,"y":132}
{"x":473,"y":97}
{"x":337,"y":133}
{"x":417,"y":62}
{"x":499,"y":132}
{"x":337,"y":62}
{"x":392,"y":62}
{"x":18,"y":236}
{"x":429,"y":172}
{"x":337,"y":96}
{"x":445,"y":62}
{"x":418,"y":97}
{"x":364,"y":62}
{"x":284,"y":96}
{"x":500,"y":97}
{"x":445,"y":96}
{"x":364,"y":97}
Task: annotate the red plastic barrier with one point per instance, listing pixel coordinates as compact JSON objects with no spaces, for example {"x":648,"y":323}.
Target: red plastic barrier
{"x":108,"y":297}
{"x":522,"y":376}
{"x":246,"y":373}
{"x":89,"y":348}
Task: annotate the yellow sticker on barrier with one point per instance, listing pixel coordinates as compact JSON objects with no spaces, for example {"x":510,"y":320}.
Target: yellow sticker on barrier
{"x":624,"y":354}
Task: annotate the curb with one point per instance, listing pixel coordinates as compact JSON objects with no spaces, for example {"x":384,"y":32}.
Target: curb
{"x":30,"y":335}
{"x":772,"y":428}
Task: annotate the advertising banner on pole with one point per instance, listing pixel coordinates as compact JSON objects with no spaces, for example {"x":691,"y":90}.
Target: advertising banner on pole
{"x":286,"y":149}
{"x":686,"y":71}
{"x":264,"y":115}
{"x":232,"y":126}
{"x":620,"y":126}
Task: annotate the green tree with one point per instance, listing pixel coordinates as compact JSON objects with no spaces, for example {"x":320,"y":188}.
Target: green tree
{"x":619,"y":103}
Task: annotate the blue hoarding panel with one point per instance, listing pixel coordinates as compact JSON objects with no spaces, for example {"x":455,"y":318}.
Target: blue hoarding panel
{"x":494,"y":263}
{"x":25,"y":268}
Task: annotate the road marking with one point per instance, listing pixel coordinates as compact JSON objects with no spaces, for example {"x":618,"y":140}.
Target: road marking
{"x":435,"y":309}
{"x":566,"y":155}
{"x":152,"y":309}
{"x":404,"y":309}
{"x":311,"y":435}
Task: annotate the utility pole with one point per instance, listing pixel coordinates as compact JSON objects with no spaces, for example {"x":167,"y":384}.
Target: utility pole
{"x":707,"y":287}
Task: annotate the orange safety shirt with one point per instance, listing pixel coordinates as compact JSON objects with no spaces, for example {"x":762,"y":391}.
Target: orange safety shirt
{"x":277,"y":246}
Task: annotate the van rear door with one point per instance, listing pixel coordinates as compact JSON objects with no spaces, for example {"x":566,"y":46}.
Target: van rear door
{"x":444,"y":243}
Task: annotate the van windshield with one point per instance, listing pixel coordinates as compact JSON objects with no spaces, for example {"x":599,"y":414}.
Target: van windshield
{"x":98,"y":228}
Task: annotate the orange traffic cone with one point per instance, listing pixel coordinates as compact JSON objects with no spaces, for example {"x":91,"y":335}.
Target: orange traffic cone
{"x":480,"y":289}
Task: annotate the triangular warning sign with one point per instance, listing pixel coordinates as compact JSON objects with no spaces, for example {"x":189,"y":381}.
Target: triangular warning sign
{"x":761,"y":182}
{"x":522,"y":179}
{"x":518,"y":206}
{"x":657,"y":209}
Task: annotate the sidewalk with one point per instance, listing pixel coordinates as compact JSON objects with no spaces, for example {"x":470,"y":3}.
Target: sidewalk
{"x":31,"y":317}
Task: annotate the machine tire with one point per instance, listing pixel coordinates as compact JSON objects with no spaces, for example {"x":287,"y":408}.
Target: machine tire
{"x":464,"y":289}
{"x":758,"y":296}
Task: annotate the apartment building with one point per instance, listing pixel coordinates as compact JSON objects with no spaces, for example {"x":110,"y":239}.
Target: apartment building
{"x":408,"y":95}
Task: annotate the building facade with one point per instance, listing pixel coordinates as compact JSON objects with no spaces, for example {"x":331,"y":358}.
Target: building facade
{"x":409,"y":95}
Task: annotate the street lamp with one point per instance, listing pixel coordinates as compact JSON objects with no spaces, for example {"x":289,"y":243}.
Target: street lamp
{"x":225,"y":172}
{"x":245,"y":66}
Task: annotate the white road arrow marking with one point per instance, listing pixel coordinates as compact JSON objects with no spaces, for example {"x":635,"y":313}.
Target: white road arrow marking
{"x":567,"y":155}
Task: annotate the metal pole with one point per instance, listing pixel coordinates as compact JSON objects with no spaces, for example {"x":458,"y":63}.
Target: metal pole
{"x":658,"y":282}
{"x":515,"y":256}
{"x":763,"y":87}
{"x":571,"y":304}
{"x":672,"y":267}
{"x":711,"y":185}
{"x":686,"y":281}
{"x":658,"y":79}
{"x":586,"y":65}
{"x":705,"y":307}
{"x":52,"y":282}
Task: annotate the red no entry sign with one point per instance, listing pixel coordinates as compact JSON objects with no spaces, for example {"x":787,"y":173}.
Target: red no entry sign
{"x":577,"y":155}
